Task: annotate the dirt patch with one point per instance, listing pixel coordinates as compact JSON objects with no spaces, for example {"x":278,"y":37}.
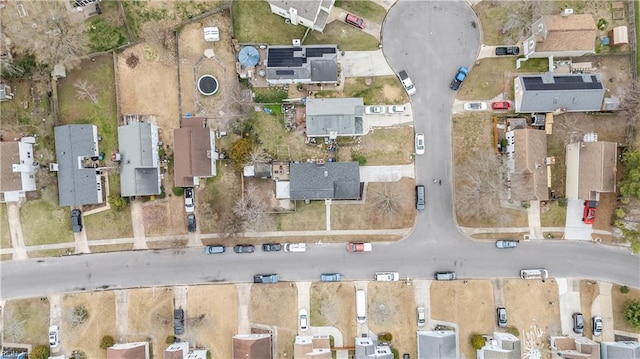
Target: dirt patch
{"x":333,"y":304}
{"x":206,"y":316}
{"x":26,"y":321}
{"x":470,"y":304}
{"x":276,"y":305}
{"x":150,"y":316}
{"x":618,"y":302}
{"x":101,"y":307}
{"x":391,"y":308}
{"x":164,"y":217}
{"x":532,"y":302}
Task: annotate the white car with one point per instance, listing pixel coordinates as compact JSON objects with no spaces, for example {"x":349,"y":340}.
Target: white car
{"x":419,"y":143}
{"x":407,"y":83}
{"x":422,"y":320}
{"x":475,"y":106}
{"x":387,"y":276}
{"x":304,"y":319}
{"x":396,"y":109}
{"x":54,"y":336}
{"x":375,"y":109}
{"x":189,"y":205}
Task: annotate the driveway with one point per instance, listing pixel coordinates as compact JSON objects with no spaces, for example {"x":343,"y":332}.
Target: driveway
{"x":365,"y":64}
{"x":15,"y":231}
{"x":575,"y":229}
{"x":386,"y":173}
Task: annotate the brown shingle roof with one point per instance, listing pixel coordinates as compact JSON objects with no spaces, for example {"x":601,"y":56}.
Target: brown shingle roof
{"x":568,"y":33}
{"x":9,"y":155}
{"x":192,"y":151}
{"x":529,"y":180}
{"x":252,"y":346}
{"x":128,"y":351}
{"x":597,"y":170}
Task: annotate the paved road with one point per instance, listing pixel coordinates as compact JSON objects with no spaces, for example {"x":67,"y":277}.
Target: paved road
{"x":430,"y":40}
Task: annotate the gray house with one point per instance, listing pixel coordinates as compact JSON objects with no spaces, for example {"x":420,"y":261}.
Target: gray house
{"x":331,"y":180}
{"x":367,"y":348}
{"x":620,"y":350}
{"x":139,"y":160}
{"x":439,"y":344}
{"x":333,"y":117}
{"x":310,"y":13}
{"x":501,"y":346}
{"x":302,"y":64}
{"x":549,"y":92}
{"x":79,"y":175}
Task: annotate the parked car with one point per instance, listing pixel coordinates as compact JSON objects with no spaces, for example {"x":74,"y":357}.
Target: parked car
{"x":191,"y":222}
{"x":178,"y":321}
{"x":76,"y":220}
{"x":459,"y":78}
{"x":420,"y":197}
{"x":387,"y":276}
{"x":406,"y":356}
{"x":375,"y":110}
{"x":265,"y":278}
{"x":244,"y":248}
{"x":507,"y":243}
{"x":507,"y":50}
{"x":419,"y":142}
{"x":589,"y":214}
{"x":330,"y":277}
{"x":502,"y":317}
{"x":295,"y":247}
{"x":359,"y":247}
{"x":445,"y":275}
{"x":54,"y":336}
{"x":422,"y":318}
{"x":304,"y":325}
{"x":578,"y":323}
{"x":397,"y":109}
{"x":475,"y":106}
{"x":597,"y":326}
{"x":500,"y":105}
{"x":355,"y":21}
{"x":271,"y":247}
{"x":189,"y":205}
{"x":215,"y":249}
{"x":407,"y":83}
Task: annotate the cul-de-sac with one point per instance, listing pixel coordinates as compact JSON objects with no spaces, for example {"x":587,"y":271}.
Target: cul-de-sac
{"x":319,"y":179}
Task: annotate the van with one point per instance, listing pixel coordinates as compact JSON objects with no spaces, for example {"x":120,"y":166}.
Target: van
{"x":578,"y":323}
{"x":420,"y":197}
{"x":445,"y":275}
{"x":361,"y":306}
{"x":295,"y":247}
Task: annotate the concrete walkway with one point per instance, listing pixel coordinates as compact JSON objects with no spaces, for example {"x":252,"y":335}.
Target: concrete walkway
{"x":386,"y":173}
{"x":15,"y":230}
{"x":533,"y":213}
{"x":244,"y":298}
{"x":327,"y":211}
{"x":365,"y":64}
{"x":122,"y":315}
{"x":137,"y":221}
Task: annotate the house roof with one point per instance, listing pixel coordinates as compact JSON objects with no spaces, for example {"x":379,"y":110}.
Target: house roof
{"x":437,"y":345}
{"x":312,"y":347}
{"x":549,"y":92}
{"x":620,"y":350}
{"x":313,"y":63}
{"x":176,"y":350}
{"x":136,"y":350}
{"x":529,"y":177}
{"x":575,"y":347}
{"x":9,"y":155}
{"x":568,"y":33}
{"x":140,"y":161}
{"x":194,"y":154}
{"x":342,"y":116}
{"x":254,"y":346}
{"x":331,"y":180}
{"x":307,"y":9}
{"x":597,"y":168}
{"x":77,"y":185}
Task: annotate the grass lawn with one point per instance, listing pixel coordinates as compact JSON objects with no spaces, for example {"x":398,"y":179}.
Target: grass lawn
{"x":347,"y":37}
{"x":45,"y":223}
{"x":5,"y":235}
{"x":383,"y":90}
{"x":99,"y":226}
{"x":487,"y":79}
{"x":311,"y":217}
{"x":253,"y":22}
{"x":26,"y":321}
{"x":366,"y":9}
{"x":272,"y":136}
{"x":332,"y":304}
{"x":100,"y":75}
{"x":492,"y":15}
{"x":553,"y":215}
{"x":387,"y":146}
{"x":619,"y":302}
{"x":471,"y":131}
{"x":534,"y":65}
{"x":111,"y":248}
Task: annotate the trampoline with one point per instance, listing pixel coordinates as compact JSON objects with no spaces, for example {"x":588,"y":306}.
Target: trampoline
{"x":207,"y":85}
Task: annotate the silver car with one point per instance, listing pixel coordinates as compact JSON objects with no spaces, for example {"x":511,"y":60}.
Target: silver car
{"x":502,"y":317}
{"x":422,"y":320}
{"x":597,"y":326}
{"x":507,"y":243}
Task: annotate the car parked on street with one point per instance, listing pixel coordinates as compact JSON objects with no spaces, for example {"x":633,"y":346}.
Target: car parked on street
{"x":422,"y":317}
{"x":189,"y":205}
{"x":597,"y":326}
{"x":589,"y":213}
{"x":419,"y":142}
{"x":355,"y":21}
{"x":330,"y":277}
{"x":303,"y":319}
{"x":244,"y":248}
{"x":359,"y":247}
{"x":271,"y":247}
{"x":445,"y":275}
{"x":266,"y":278}
{"x":387,"y":276}
{"x":459,"y":78}
{"x":295,"y":247}
{"x":76,"y":220}
{"x":178,"y":321}
{"x":507,"y":243}
{"x":578,"y":323}
{"x":500,"y":105}
{"x":191,"y":222}
{"x":396,"y":109}
{"x":507,"y":51}
{"x":475,"y":106}
{"x":407,"y":83}
{"x":502,"y":317}
{"x":215,"y":249}
{"x":54,"y":336}
{"x":421,"y":197}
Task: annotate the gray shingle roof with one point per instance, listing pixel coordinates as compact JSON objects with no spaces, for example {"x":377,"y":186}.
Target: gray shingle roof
{"x":344,"y":116}
{"x":140,"y":163}
{"x":303,"y":64}
{"x":331,"y":180}
{"x":549,"y":92}
{"x":77,"y":185}
{"x":437,"y":345}
{"x":620,"y":350}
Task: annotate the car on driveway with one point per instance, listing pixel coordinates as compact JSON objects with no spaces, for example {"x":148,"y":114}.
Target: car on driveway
{"x":407,"y":83}
{"x":475,"y":106}
{"x":191,"y":222}
{"x":215,"y":249}
{"x":244,"y":248}
{"x":359,"y":247}
{"x":507,"y":51}
{"x":271,"y":247}
{"x":459,"y":78}
{"x":189,"y":205}
{"x":419,"y":142}
{"x":578,"y":323}
{"x":589,"y":213}
{"x":507,"y":243}
{"x":502,"y":317}
{"x":355,"y":21}
{"x":54,"y":336}
{"x":178,"y":321}
{"x":330,"y":277}
{"x":422,"y":318}
{"x":396,"y":109}
{"x":304,"y":320}
{"x":375,"y":110}
{"x":500,"y":105}
{"x":387,"y":276}
{"x":76,"y":220}
{"x":597,"y":326}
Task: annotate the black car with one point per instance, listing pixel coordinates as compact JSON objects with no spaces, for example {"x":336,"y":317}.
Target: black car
{"x":507,"y":51}
{"x":178,"y":321}
{"x":191,"y":222}
{"x":244,"y":248}
{"x":76,"y":220}
{"x":271,"y":247}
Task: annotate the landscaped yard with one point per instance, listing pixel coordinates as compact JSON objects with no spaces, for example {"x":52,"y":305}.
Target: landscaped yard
{"x":347,"y":37}
{"x":379,"y":90}
{"x":100,"y":321}
{"x":5,"y":235}
{"x":45,"y":223}
{"x":253,"y":22}
{"x":619,"y":302}
{"x":391,"y":308}
{"x":366,"y":9}
{"x":26,"y":321}
{"x":382,"y":146}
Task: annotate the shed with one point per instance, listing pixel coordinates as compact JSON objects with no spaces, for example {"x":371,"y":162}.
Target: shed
{"x":619,"y":36}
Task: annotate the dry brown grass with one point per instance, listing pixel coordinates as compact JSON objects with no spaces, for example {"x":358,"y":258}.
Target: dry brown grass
{"x":150,"y":314}
{"x":495,"y":236}
{"x":527,"y":302}
{"x":619,"y":301}
{"x":217,"y":305}
{"x":391,"y":308}
{"x":333,"y":304}
{"x":382,"y":146}
{"x":26,"y":321}
{"x":101,"y":307}
{"x":276,"y":305}
{"x":165,"y":217}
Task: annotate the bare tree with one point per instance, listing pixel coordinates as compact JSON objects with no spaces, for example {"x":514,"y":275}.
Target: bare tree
{"x":85,"y":91}
{"x":258,"y":155}
{"x":481,"y":186}
{"x":252,"y":209}
{"x":161,"y":35}
{"x":521,"y":15}
{"x":387,"y":202}
{"x":630,"y":106}
{"x":230,"y":224}
{"x":50,"y":34}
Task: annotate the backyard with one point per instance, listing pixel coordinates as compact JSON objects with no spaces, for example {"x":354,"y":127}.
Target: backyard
{"x":333,"y":304}
{"x":391,"y":308}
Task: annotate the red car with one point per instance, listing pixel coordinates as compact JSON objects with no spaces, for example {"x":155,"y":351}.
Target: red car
{"x":589,"y":215}
{"x":355,"y":21}
{"x":359,"y":247}
{"x":500,"y":105}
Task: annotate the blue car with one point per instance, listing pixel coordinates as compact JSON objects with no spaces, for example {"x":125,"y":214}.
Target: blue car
{"x":330,"y":277}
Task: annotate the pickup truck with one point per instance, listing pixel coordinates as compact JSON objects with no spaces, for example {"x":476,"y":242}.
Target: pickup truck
{"x":460,"y":76}
{"x":534,"y":274}
{"x":265,"y":278}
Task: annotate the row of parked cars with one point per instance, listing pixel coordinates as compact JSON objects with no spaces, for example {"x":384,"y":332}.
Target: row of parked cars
{"x":250,"y":248}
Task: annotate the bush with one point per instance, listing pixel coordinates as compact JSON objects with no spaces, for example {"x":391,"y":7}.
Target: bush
{"x":477,"y":341}
{"x":170,"y":339}
{"x":116,"y":202}
{"x":103,"y":37}
{"x":632,"y":313}
{"x":107,"y":342}
{"x":162,"y":194}
{"x":620,"y":212}
{"x":178,"y":191}
{"x":358,"y":157}
{"x":240,"y":151}
{"x":525,"y":204}
{"x":562,"y":202}
{"x":512,"y":330}
{"x":80,"y":315}
{"x":386,"y":337}
{"x":78,"y":354}
{"x":40,"y":352}
{"x":624,"y":289}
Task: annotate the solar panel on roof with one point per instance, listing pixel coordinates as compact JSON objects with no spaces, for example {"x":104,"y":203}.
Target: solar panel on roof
{"x":320,"y":51}
{"x":561,"y":83}
{"x":285,"y":72}
{"x":282,"y":57}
